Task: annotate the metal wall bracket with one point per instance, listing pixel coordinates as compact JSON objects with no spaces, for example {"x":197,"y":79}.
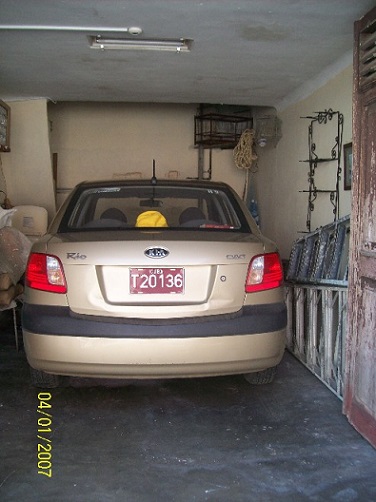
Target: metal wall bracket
{"x":333,"y":156}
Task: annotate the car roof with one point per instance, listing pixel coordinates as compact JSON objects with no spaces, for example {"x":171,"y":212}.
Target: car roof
{"x":148,"y":182}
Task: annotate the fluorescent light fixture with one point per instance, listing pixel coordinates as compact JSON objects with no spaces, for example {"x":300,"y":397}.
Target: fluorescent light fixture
{"x":146,"y":44}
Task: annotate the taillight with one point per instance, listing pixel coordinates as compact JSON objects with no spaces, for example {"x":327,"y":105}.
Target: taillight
{"x":264,"y":272}
{"x":45,"y":272}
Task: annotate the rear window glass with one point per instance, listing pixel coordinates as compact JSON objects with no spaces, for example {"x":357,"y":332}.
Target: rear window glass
{"x":153,"y":206}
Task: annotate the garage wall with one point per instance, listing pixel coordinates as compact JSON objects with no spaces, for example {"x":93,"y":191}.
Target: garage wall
{"x":107,"y":140}
{"x":281,"y":176}
{"x":27,"y":167}
{"x":101,"y":140}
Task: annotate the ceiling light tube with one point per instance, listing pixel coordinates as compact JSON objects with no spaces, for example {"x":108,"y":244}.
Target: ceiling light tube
{"x":175,"y":45}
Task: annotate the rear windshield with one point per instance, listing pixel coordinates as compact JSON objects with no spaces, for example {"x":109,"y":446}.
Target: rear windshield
{"x":153,"y":206}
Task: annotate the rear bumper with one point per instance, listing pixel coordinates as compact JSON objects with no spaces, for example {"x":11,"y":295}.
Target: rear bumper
{"x":156,"y":352}
{"x":61,"y":321}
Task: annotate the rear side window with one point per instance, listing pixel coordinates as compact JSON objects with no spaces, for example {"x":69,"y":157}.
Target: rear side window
{"x":169,"y":207}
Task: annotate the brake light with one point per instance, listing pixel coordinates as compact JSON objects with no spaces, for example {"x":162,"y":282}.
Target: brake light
{"x":264,"y":272}
{"x":45,"y":272}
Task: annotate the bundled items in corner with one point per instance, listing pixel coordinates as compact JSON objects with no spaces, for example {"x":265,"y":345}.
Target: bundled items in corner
{"x":14,"y":253}
{"x":8,"y":291}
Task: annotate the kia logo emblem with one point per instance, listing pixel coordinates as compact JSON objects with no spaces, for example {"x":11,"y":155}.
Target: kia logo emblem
{"x":156,"y":252}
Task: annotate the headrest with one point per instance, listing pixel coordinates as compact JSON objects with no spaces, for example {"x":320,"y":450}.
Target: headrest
{"x":112,"y":213}
{"x":190,"y":214}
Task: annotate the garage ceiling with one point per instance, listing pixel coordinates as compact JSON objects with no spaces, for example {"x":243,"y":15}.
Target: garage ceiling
{"x":253,"y":52}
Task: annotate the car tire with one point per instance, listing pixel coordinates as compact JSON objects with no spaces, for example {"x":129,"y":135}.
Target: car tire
{"x":44,"y":380}
{"x":261,"y":377}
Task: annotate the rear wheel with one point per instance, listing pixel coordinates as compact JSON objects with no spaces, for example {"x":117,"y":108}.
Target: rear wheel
{"x":44,"y":380}
{"x":261,"y":377}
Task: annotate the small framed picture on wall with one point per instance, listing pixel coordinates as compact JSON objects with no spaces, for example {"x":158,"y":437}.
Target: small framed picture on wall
{"x":347,"y":160}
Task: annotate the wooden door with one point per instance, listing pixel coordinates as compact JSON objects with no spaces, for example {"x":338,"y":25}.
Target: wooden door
{"x":360,"y":389}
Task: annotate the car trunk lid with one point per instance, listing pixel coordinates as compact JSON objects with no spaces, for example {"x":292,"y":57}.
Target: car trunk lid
{"x":154,"y":274}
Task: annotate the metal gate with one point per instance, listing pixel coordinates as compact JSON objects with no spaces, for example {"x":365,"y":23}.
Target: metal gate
{"x":316,"y":331}
{"x":316,"y":297}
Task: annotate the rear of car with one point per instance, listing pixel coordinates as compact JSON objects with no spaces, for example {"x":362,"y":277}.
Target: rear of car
{"x":157,"y":279}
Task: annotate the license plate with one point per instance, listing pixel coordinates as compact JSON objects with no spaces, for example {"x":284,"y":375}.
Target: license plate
{"x":156,"y":281}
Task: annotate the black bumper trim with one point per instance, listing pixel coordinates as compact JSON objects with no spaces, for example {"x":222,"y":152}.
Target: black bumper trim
{"x":47,"y":320}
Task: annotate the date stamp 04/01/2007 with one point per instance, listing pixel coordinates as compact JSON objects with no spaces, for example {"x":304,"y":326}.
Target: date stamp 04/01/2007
{"x":44,"y":430}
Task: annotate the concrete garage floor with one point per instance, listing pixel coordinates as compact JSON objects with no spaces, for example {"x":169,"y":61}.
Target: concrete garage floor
{"x":216,"y":439}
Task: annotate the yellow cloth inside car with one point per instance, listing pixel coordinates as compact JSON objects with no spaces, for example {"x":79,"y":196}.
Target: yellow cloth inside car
{"x":151,"y":219}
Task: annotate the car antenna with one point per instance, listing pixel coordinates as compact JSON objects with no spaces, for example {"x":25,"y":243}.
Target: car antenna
{"x":153,"y":179}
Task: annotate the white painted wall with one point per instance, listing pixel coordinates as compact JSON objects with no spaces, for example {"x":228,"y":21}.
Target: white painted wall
{"x":106,"y":140}
{"x":283,"y":209}
{"x":27,"y":171}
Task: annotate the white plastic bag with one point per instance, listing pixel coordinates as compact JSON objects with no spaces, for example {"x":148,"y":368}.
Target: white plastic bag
{"x":6,"y":217}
